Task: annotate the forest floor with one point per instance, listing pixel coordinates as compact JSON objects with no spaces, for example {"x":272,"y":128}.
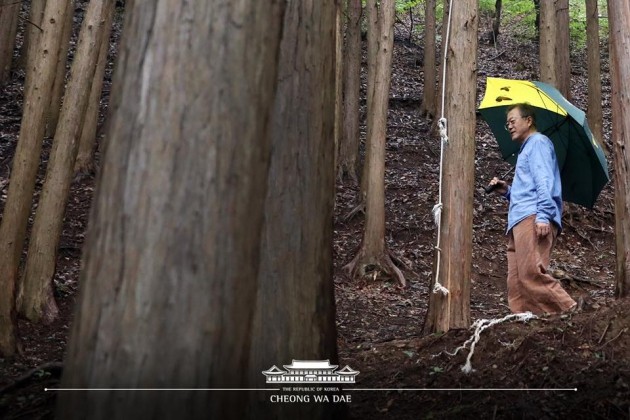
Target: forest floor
{"x":569,"y":366}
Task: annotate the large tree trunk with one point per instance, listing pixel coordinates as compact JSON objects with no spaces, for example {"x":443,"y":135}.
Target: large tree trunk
{"x":339,"y":65}
{"x":371,"y":13}
{"x":429,"y":103}
{"x":85,"y":156}
{"x":171,"y":261}
{"x":9,"y":13}
{"x":373,"y":250}
{"x":594,"y":112}
{"x":547,"y":42}
{"x":563,"y":59}
{"x":349,"y":148}
{"x":60,"y":73}
{"x":35,"y":296}
{"x":296,"y":248}
{"x":32,"y":35}
{"x":455,"y":262}
{"x":25,"y":164}
{"x":620,"y":71}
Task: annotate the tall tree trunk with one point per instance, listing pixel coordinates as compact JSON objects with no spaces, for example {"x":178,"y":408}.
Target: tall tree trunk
{"x":32,"y":34}
{"x":35,"y":295}
{"x":339,"y":65}
{"x":372,"y":13}
{"x":25,"y":164}
{"x":563,"y":59}
{"x":349,"y":149}
{"x":455,"y":267}
{"x":9,"y":14}
{"x":171,"y":261}
{"x":373,"y":251}
{"x":620,"y":71}
{"x":496,"y":25}
{"x":547,"y":43}
{"x":60,"y":73}
{"x":537,"y":20}
{"x":85,"y":156}
{"x":594,"y":111}
{"x":429,"y":103}
{"x":296,"y":247}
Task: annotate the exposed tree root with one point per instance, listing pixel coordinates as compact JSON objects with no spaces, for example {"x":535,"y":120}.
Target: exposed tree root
{"x":382,"y":263}
{"x":360,"y":208}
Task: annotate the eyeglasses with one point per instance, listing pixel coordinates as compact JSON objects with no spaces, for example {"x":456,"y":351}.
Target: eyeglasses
{"x":512,"y":122}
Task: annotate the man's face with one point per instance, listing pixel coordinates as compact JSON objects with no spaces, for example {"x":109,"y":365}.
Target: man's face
{"x":518,"y":126}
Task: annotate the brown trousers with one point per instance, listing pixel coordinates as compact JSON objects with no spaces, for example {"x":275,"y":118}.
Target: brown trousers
{"x":530,"y":287}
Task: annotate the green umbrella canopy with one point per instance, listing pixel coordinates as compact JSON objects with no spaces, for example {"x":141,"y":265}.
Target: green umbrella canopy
{"x":582,"y":163}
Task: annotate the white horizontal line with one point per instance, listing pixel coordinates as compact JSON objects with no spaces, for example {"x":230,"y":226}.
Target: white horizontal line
{"x":161,"y":389}
{"x":460,"y":389}
{"x":345,"y":389}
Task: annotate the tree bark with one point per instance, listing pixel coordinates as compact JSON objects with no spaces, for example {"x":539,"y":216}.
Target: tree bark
{"x":455,"y":266}
{"x":563,"y":59}
{"x":339,"y":65}
{"x":35,"y":295}
{"x":440,"y":74}
{"x":429,"y":101}
{"x":60,"y":73}
{"x":85,"y":156}
{"x":171,"y":261}
{"x":25,"y":164}
{"x":32,"y":35}
{"x":594,"y":110}
{"x":9,"y":14}
{"x":349,"y":150}
{"x":296,"y":246}
{"x":537,"y":20}
{"x":547,"y":43}
{"x":620,"y":72}
{"x":372,"y":12}
{"x":496,"y":25}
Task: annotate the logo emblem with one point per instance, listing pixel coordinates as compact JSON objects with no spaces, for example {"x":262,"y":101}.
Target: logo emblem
{"x":310,"y":371}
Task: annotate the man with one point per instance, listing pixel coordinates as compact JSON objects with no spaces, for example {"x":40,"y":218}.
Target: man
{"x":534,"y":218}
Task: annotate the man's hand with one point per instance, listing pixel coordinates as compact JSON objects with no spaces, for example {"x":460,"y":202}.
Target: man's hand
{"x":542,"y":229}
{"x":501,"y":185}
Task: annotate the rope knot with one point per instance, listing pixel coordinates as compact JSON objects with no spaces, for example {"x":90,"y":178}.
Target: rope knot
{"x":437,"y":213}
{"x":438,"y":288}
{"x":442,"y":127}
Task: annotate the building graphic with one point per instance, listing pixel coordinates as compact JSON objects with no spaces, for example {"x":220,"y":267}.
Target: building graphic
{"x":310,"y":371}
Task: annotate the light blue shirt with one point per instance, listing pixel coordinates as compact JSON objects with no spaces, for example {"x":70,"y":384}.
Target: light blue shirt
{"x":537,"y":188}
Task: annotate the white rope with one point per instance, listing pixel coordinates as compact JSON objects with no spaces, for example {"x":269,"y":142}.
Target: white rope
{"x":442,"y":125}
{"x":479,"y":326}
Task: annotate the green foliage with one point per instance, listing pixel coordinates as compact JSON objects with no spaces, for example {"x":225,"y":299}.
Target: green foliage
{"x":520,"y":16}
{"x":406,"y":5}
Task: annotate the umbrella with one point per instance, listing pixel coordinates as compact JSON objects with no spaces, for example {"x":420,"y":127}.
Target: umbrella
{"x":581,"y":161}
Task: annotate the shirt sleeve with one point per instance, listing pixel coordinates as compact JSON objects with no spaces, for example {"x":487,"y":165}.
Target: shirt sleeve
{"x":542,"y":161}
